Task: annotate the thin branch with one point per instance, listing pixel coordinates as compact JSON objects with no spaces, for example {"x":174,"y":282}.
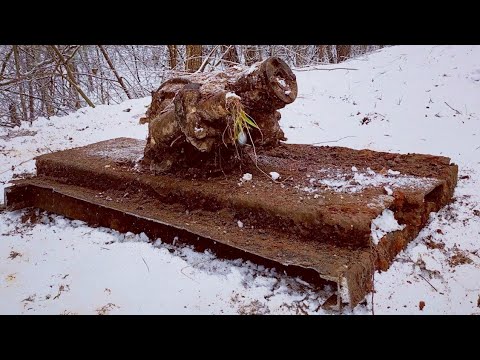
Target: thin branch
{"x":207,"y":59}
{"x":4,"y":65}
{"x":146,"y":264}
{"x":332,"y":141}
{"x":221,"y":57}
{"x":458,"y":112}
{"x":73,"y":54}
{"x":110,"y":64}
{"x":314,"y":68}
{"x":428,"y":282}
{"x":71,"y":78}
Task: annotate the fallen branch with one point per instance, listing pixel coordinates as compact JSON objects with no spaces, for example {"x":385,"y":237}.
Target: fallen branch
{"x":14,"y":166}
{"x":308,"y":69}
{"x":428,"y":282}
{"x":207,"y":60}
{"x":332,"y":141}
{"x":458,"y":112}
{"x":181,"y":270}
{"x":146,"y":264}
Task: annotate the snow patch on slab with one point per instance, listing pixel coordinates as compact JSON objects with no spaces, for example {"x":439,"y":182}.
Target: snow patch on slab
{"x":357,"y":181}
{"x":344,"y":292}
{"x":275,"y":175}
{"x":384,"y":224}
{"x":247,"y":177}
{"x":232,"y":95}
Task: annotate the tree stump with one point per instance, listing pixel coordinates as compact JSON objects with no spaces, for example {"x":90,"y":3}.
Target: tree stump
{"x":203,"y":120}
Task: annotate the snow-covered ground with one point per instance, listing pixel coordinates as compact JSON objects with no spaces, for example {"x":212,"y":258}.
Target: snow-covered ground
{"x":423,"y":99}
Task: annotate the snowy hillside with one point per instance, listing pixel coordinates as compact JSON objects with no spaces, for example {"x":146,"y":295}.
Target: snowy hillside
{"x":423,"y":99}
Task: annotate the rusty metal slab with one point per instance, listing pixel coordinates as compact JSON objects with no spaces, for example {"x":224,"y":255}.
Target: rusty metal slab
{"x":316,"y":220}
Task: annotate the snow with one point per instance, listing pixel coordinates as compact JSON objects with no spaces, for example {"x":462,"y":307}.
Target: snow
{"x":247,"y":177}
{"x":275,"y":175}
{"x":252,"y":68}
{"x":384,"y":224}
{"x":393,"y":172}
{"x":475,"y":75}
{"x":281,"y":82}
{"x":344,"y":291}
{"x":356,"y":180}
{"x":242,"y":138}
{"x":232,"y":95}
{"x":403,"y":90}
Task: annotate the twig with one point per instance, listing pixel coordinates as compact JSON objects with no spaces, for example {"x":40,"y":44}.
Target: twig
{"x":70,"y":77}
{"x":14,"y":166}
{"x":221,"y":57}
{"x":428,"y":282}
{"x":196,"y":264}
{"x":458,"y":112}
{"x":324,"y":142}
{"x":181,"y":270}
{"x":314,"y":68}
{"x":207,"y":60}
{"x":146,"y":264}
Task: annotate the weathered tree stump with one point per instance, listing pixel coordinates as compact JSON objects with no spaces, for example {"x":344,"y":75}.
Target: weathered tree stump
{"x":202,"y":119}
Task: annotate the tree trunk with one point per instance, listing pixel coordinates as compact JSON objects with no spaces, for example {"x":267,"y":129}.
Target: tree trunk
{"x":300,"y":55}
{"x":30,"y":63}
{"x":230,"y":54}
{"x":110,"y":65}
{"x":20,"y":84}
{"x":172,"y":56}
{"x":194,"y":58}
{"x":321,"y":53}
{"x":5,"y":62}
{"x":363,"y":49}
{"x":331,"y":59}
{"x":343,"y":52}
{"x":14,"y":119}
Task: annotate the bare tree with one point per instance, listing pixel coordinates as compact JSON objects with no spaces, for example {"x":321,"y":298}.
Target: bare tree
{"x":110,"y":64}
{"x":70,"y":76}
{"x":321,"y":53}
{"x":43,"y":80}
{"x":22,"y":91}
{"x":343,"y":52}
{"x":172,"y":56}
{"x":230,"y":54}
{"x":194,"y":58}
